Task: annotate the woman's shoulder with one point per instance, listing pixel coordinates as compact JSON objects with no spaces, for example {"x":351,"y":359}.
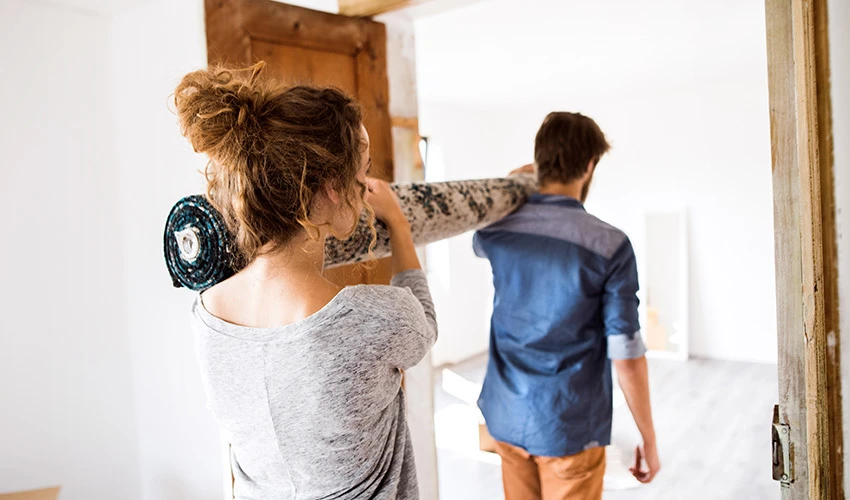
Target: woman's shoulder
{"x":378,"y":293}
{"x":383,"y":300}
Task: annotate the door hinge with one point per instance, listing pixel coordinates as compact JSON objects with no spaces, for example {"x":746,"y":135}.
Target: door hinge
{"x":781,"y":445}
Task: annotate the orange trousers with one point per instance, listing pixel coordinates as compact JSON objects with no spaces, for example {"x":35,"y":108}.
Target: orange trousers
{"x":529,"y":477}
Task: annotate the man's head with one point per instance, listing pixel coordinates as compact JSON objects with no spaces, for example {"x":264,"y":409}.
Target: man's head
{"x":567,"y":148}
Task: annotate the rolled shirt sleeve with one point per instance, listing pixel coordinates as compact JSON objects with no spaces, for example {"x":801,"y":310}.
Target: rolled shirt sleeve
{"x":624,"y":346}
{"x":620,"y":306}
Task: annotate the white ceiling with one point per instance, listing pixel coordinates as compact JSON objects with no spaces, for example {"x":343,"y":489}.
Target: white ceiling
{"x":423,"y":8}
{"x":523,"y":49}
{"x":107,"y":7}
{"x":426,"y":8}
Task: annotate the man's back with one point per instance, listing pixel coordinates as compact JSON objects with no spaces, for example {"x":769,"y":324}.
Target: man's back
{"x":565,"y":305}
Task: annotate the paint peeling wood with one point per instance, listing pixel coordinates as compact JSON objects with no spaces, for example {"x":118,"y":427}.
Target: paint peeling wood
{"x":809,"y":396}
{"x":829,"y":248}
{"x":818,"y":409}
{"x":789,"y":307}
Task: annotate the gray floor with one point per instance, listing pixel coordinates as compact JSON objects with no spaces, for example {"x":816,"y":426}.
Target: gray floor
{"x":712,"y":419}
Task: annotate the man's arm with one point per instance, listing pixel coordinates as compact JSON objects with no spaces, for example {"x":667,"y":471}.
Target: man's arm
{"x":627,"y":352}
{"x":634,"y":381}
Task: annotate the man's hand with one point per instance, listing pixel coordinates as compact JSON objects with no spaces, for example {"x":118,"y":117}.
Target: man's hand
{"x":525,"y":169}
{"x":634,"y":381}
{"x":648,"y":453}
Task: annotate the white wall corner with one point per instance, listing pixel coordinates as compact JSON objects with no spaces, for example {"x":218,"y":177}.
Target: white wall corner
{"x":419,"y":381}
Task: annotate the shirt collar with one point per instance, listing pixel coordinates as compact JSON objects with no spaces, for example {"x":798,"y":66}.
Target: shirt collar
{"x":555,"y":199}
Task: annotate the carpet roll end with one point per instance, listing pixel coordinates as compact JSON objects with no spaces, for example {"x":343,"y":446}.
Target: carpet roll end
{"x":199,"y":250}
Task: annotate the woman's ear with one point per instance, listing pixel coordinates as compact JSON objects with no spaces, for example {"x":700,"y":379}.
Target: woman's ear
{"x":331,"y":193}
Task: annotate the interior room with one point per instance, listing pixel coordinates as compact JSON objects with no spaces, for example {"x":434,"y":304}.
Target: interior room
{"x":692,"y":191}
{"x":729,"y":171}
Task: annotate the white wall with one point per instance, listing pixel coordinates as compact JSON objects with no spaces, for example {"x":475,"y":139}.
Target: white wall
{"x":65,"y":387}
{"x":419,"y":380}
{"x":103,"y":393}
{"x":466,"y":142}
{"x":839,"y":48}
{"x":153,"y":46}
{"x":680,"y":88}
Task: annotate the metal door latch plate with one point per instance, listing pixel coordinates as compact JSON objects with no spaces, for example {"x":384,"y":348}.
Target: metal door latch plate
{"x":781,"y":444}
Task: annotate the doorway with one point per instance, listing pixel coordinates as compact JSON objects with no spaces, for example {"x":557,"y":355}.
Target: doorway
{"x":682,"y":92}
{"x":802,"y":245}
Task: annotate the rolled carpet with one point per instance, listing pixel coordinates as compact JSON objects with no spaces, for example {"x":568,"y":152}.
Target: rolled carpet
{"x":199,"y":251}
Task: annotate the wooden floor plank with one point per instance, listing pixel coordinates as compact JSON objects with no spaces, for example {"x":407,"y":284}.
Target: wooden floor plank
{"x":713,"y":421}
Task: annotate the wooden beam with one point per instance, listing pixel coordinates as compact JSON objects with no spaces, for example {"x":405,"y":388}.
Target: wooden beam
{"x":310,"y":29}
{"x":406,"y":122}
{"x":276,"y":23}
{"x":374,"y":95}
{"x":786,"y":221}
{"x":365,"y":8}
{"x":406,"y":134}
{"x":225,"y":45}
{"x":811,"y":237}
{"x":830,"y":249}
{"x":806,"y":278}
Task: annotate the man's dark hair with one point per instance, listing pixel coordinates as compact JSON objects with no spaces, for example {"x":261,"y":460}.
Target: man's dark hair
{"x":565,"y":145}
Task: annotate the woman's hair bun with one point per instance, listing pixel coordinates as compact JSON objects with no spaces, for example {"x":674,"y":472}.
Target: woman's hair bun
{"x":272,"y":148}
{"x":219,"y":110}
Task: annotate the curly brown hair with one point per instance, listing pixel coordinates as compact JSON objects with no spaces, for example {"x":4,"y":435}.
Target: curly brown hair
{"x":271,"y":149}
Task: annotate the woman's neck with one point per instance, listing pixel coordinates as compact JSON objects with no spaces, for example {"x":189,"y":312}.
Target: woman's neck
{"x":302,"y":254}
{"x":278,"y":288}
{"x":299,"y":260}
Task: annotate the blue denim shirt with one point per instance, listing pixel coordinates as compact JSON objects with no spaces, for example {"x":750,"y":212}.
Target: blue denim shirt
{"x":565,"y":305}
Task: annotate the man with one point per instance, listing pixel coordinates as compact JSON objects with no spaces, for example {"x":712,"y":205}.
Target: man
{"x":565,"y":308}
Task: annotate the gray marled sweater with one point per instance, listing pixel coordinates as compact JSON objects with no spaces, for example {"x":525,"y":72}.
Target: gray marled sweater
{"x":315,"y":409}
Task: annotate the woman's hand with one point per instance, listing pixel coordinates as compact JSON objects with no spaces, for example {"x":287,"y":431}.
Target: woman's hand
{"x":384,"y":202}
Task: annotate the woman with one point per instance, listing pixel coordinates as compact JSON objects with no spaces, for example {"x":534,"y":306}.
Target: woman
{"x":304,"y":376}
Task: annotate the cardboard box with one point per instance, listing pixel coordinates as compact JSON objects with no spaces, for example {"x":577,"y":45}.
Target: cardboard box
{"x":485,"y":440}
{"x":43,"y":494}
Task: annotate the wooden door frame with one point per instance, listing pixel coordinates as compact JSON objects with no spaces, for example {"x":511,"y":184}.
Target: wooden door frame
{"x":805,"y":244}
{"x":363,"y":39}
